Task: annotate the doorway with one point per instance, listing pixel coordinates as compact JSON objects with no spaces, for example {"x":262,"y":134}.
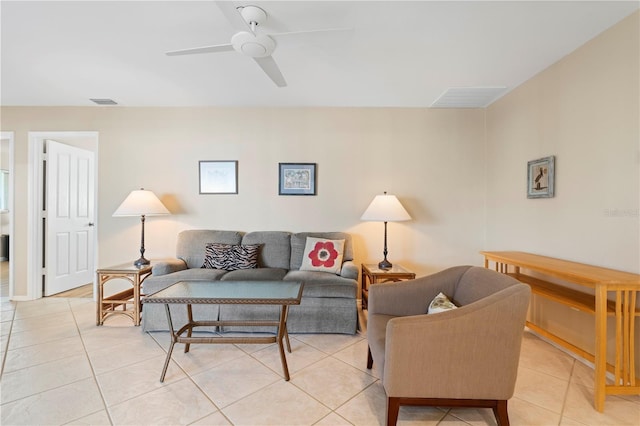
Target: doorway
{"x":6,"y":215}
{"x":43,"y":269}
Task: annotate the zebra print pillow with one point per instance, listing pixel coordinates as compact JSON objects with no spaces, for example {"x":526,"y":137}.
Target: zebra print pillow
{"x":231,"y":256}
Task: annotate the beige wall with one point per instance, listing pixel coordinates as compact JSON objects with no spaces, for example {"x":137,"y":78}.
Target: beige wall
{"x":431,"y":159}
{"x":585,"y":111}
{"x":446,"y":166}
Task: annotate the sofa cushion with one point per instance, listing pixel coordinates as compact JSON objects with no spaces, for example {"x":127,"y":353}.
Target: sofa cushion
{"x":299,"y":241}
{"x":167,"y":266}
{"x":157,"y":283}
{"x":276,"y":248}
{"x":322,"y":255}
{"x":231,"y":257}
{"x":321,"y":284}
{"x":260,"y":274}
{"x":191,"y":244}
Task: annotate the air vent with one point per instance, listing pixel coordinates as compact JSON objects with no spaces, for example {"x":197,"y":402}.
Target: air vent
{"x":468,"y":97}
{"x":104,"y":101}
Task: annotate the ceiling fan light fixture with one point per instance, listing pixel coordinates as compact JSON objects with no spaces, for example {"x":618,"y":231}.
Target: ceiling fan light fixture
{"x":251,"y":45}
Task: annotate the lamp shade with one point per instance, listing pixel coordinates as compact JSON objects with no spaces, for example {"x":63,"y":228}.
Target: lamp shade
{"x":385,"y":208}
{"x":141,"y":202}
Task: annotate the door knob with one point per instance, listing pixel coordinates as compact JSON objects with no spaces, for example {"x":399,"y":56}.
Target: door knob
{"x":91,"y":224}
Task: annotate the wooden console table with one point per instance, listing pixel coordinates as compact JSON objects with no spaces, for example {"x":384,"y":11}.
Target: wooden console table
{"x":624,"y":286}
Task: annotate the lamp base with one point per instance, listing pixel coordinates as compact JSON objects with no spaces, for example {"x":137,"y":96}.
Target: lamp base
{"x":385,"y":264}
{"x":141,"y":262}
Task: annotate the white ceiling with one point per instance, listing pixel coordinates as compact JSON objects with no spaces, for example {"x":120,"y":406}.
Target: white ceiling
{"x":400,"y":54}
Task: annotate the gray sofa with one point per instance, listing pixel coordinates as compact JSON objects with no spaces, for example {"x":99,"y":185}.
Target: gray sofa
{"x":328,"y":301}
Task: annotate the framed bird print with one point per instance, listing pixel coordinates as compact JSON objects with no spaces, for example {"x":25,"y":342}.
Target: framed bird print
{"x":540,"y":177}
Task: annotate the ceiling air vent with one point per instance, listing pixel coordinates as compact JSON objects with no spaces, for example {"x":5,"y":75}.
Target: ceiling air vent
{"x":468,"y":97}
{"x":104,"y":101}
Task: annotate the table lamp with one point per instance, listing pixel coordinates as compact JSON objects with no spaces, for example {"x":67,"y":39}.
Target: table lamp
{"x":385,"y":208}
{"x":141,"y":203}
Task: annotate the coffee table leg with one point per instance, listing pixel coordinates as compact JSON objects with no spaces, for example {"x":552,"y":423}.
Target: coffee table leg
{"x":282,"y":331}
{"x":286,"y":332}
{"x":190,"y":319}
{"x":173,"y":342}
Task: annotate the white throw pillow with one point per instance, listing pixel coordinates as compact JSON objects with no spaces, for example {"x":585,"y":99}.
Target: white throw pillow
{"x":440,"y":303}
{"x":321,"y":254}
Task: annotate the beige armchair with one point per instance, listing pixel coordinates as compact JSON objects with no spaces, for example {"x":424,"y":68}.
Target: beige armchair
{"x":466,"y":357}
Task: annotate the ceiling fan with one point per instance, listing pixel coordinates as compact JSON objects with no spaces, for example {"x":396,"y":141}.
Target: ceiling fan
{"x":246,"y":19}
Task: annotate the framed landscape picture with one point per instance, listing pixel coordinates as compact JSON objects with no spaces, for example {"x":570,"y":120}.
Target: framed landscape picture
{"x":297,"y":179}
{"x":540,"y":177}
{"x":218,"y":177}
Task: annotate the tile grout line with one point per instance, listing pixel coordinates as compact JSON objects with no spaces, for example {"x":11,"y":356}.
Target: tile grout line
{"x":353,"y":397}
{"x":220,"y":409}
{"x":46,"y":390}
{"x":6,"y":349}
{"x":93,"y":372}
{"x":332,"y":356}
{"x":190,"y":378}
{"x":566,"y":392}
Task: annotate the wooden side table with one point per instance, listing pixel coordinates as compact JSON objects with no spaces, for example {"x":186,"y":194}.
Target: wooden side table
{"x":371,"y":274}
{"x":110,"y":304}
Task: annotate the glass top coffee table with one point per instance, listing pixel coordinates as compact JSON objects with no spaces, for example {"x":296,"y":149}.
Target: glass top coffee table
{"x":281,"y":293}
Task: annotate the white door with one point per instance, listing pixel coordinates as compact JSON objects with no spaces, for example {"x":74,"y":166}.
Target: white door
{"x":69,"y":224}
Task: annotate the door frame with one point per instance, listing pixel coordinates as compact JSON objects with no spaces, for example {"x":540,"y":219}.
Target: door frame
{"x":12,"y":233}
{"x":35,"y":231}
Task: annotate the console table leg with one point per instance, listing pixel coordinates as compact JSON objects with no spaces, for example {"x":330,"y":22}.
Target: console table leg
{"x":601,"y":347}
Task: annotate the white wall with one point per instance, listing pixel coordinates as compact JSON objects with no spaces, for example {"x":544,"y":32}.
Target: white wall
{"x":431,"y":159}
{"x":585,"y":111}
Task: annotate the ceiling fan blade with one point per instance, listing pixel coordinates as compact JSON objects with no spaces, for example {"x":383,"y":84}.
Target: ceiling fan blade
{"x":203,"y":49}
{"x":269,"y":66}
{"x":326,"y":30}
{"x":233,"y":16}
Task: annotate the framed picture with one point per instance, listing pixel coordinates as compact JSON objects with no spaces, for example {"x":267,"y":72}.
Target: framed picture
{"x":297,"y":179}
{"x":218,"y":177}
{"x":540,"y":177}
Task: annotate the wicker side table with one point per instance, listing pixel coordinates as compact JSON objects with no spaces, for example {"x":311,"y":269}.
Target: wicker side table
{"x":371,"y":274}
{"x":109,"y":305}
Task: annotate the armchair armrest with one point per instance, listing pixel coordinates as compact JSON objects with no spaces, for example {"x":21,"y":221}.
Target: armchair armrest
{"x":349,"y":270}
{"x":412,"y":297}
{"x":470,"y":352}
{"x":168,"y":266}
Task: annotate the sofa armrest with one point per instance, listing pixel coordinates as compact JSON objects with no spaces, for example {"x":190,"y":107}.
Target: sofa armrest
{"x":349,"y":270}
{"x":168,"y":266}
{"x":412,"y":297}
{"x":470,"y":352}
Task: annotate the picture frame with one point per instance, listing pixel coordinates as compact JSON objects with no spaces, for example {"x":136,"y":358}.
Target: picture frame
{"x":218,"y":177}
{"x":297,"y":179}
{"x":541,"y":177}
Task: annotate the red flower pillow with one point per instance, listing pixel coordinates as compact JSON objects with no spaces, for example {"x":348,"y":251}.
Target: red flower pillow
{"x":322,"y":255}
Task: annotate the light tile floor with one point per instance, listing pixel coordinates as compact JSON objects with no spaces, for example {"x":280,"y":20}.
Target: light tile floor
{"x":58,"y":367}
